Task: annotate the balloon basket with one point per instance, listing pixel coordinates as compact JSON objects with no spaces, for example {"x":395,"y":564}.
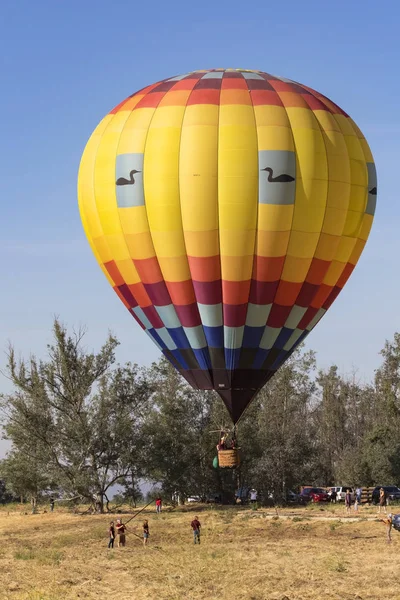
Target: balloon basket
{"x":229,"y":459}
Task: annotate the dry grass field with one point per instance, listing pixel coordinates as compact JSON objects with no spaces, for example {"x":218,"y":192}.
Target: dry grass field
{"x":244,"y":554}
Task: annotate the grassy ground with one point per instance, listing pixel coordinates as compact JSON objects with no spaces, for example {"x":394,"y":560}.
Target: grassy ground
{"x":244,"y":554}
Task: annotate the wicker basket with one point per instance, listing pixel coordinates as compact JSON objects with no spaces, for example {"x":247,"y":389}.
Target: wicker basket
{"x":229,"y":458}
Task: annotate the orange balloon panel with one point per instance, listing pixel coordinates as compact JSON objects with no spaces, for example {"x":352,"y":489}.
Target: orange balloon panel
{"x":227,"y":208}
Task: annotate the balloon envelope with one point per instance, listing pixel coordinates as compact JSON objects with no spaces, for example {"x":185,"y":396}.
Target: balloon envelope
{"x":227,"y":209}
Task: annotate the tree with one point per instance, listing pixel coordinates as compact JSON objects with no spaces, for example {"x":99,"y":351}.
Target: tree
{"x":381,"y":443}
{"x":331,"y":422}
{"x":276,"y":434}
{"x":370,"y":449}
{"x":5,"y":495}
{"x":177,"y":434}
{"x":75,"y":415}
{"x":25,"y":476}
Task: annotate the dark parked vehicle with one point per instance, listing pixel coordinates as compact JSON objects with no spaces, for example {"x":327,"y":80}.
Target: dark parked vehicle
{"x":396,"y":522}
{"x":391,"y":492}
{"x":293,"y":498}
{"x":315,"y":495}
{"x":214,"y":499}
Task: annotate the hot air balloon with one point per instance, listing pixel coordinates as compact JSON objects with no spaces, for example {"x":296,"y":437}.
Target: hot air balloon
{"x":227,"y":208}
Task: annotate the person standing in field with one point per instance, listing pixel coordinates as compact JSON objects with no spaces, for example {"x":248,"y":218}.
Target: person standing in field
{"x":146,"y":532}
{"x":347,"y":500}
{"x":121,"y":528}
{"x":359,"y":494}
{"x":111,"y":533}
{"x":158,"y":504}
{"x":388,"y":522}
{"x":51,"y":503}
{"x":253,"y":496}
{"x":196,"y":525}
{"x":382,"y":500}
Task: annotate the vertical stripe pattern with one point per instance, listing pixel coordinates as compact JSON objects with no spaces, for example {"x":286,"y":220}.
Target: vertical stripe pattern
{"x":227,"y":208}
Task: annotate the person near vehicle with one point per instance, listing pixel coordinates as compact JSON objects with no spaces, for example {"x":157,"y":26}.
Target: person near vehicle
{"x":382,"y":500}
{"x":146,"y":532}
{"x":358,"y":494}
{"x":196,"y":526}
{"x":333,"y":496}
{"x":51,"y":503}
{"x":389,"y":523}
{"x":158,"y":504}
{"x":347,"y":500}
{"x":253,"y":496}
{"x":121,"y":529}
{"x":111,"y":534}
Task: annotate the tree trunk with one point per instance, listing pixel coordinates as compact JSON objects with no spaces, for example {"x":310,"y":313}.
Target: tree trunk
{"x":33,"y":502}
{"x":99,"y":503}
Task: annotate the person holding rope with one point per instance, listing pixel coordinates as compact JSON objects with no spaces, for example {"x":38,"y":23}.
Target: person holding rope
{"x":389,"y":523}
{"x":111,"y":533}
{"x":121,"y":528}
{"x":146,"y":532}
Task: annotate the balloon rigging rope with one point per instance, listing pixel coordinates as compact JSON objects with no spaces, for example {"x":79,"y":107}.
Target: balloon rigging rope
{"x":179,"y":478}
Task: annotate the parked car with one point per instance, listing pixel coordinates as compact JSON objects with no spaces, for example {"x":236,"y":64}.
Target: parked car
{"x":293,"y":498}
{"x":396,"y":522}
{"x":194,"y":499}
{"x":314,"y":494}
{"x":214,"y":498}
{"x":391,"y":491}
{"x":341,"y":492}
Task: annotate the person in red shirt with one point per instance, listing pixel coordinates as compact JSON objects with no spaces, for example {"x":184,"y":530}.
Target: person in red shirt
{"x":158,"y":504}
{"x":196,"y":525}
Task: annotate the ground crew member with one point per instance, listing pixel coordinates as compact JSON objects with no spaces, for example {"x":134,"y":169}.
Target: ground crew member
{"x":121,"y":528}
{"x":146,"y":532}
{"x":382,"y":500}
{"x":111,"y":533}
{"x":196,"y":525}
{"x":388,"y":522}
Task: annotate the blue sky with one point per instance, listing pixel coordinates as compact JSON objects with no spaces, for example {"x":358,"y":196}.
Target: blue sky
{"x":64,"y":65}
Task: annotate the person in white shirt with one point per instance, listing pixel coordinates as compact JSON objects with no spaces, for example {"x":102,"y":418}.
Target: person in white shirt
{"x":253,"y":496}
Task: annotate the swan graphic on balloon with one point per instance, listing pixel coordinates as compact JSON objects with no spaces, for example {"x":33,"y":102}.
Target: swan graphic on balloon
{"x":227,"y":208}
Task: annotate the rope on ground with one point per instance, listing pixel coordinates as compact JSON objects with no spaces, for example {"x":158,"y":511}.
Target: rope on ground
{"x":138,"y":513}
